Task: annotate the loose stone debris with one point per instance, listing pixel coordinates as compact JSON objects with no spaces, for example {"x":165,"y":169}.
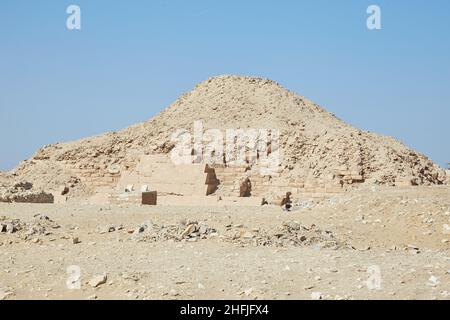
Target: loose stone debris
{"x":191,"y":231}
{"x":40,"y":225}
{"x":288,"y":234}
{"x":109,"y":228}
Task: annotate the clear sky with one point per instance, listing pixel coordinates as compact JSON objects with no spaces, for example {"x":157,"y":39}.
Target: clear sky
{"x":131,"y":59}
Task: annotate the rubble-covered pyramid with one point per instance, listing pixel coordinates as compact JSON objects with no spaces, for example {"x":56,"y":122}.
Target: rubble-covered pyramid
{"x":314,"y":143}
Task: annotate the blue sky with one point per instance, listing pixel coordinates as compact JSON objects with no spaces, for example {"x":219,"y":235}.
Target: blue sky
{"x":131,"y":59}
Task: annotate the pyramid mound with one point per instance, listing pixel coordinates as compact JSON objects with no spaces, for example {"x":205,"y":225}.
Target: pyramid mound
{"x":313,"y":142}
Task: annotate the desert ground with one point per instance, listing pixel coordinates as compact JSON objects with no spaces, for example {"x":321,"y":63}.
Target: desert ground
{"x":370,"y":243}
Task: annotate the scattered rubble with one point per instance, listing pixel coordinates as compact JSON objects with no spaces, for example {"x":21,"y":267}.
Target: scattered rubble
{"x":185,"y":231}
{"x":288,"y":234}
{"x":40,"y":225}
{"x":109,"y":228}
{"x":291,"y":261}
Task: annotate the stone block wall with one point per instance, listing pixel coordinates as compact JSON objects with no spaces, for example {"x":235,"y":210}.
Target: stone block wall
{"x":97,"y":177}
{"x":277,"y":185}
{"x":161,"y":175}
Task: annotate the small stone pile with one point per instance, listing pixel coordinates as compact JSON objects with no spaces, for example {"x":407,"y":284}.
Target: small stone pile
{"x":288,"y":234}
{"x":190,"y":231}
{"x":40,"y":225}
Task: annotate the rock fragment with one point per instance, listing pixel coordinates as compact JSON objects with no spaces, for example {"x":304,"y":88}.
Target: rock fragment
{"x":189,"y":229}
{"x":98,"y":280}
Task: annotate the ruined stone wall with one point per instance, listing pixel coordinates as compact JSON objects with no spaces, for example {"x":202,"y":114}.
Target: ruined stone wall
{"x":157,"y":172}
{"x":278,"y":183}
{"x":41,"y":197}
{"x":27,"y":197}
{"x":97,"y":177}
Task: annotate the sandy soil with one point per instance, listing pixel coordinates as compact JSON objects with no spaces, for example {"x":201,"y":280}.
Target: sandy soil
{"x":402,"y":233}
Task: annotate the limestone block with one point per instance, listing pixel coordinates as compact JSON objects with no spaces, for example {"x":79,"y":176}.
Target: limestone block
{"x":357,"y":178}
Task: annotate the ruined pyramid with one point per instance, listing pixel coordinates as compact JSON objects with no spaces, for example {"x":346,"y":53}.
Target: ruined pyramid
{"x":315,"y":145}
